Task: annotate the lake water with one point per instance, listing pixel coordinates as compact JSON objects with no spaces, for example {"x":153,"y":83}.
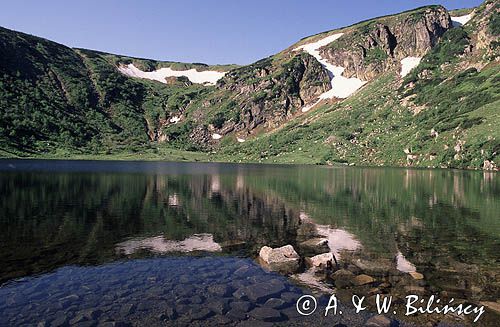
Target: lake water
{"x":151,"y":243}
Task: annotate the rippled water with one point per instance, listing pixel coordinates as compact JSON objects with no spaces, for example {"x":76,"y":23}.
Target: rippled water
{"x":174,"y":243}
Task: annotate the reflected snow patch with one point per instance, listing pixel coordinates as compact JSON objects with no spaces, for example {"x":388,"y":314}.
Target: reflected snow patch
{"x":158,"y":244}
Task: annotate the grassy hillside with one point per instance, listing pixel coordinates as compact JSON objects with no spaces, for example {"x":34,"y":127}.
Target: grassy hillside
{"x":56,"y":99}
{"x":444,"y":114}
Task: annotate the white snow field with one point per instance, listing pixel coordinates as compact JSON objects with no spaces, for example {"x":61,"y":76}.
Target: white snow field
{"x":408,"y":63}
{"x":204,"y":77}
{"x":175,"y":119}
{"x":342,"y":87}
{"x":216,"y":136}
{"x":460,"y":20}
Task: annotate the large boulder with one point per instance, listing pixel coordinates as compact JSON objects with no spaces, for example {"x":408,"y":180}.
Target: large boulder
{"x":283,"y":260}
{"x":317,"y":245}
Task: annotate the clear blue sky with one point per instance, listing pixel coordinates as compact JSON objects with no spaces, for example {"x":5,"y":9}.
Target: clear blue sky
{"x":211,"y":31}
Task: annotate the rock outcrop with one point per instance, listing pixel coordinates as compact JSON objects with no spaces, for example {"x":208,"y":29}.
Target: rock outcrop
{"x":270,"y":91}
{"x":381,"y":44}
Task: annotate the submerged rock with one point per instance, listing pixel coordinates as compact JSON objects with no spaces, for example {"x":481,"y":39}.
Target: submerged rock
{"x":260,"y":292}
{"x":266,"y":314}
{"x":363,"y":280}
{"x":378,"y":321}
{"x":275,"y":303}
{"x":380,"y":267}
{"x":342,"y":278}
{"x":493,"y":306}
{"x":284,"y":259}
{"x":416,"y":275}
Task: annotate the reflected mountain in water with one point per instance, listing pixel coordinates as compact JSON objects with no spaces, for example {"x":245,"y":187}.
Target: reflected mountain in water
{"x":386,"y":223}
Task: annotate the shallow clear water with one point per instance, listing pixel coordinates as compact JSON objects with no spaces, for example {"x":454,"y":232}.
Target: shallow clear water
{"x":111,"y":236}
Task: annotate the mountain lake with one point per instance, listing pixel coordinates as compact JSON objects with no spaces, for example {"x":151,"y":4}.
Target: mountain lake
{"x":112,"y":243}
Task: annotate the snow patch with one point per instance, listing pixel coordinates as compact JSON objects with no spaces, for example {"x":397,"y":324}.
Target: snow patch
{"x":307,"y":108}
{"x":204,"y":77}
{"x":158,"y":244}
{"x":216,"y":136}
{"x":240,"y":140}
{"x":175,"y":119}
{"x":408,"y":63}
{"x":342,"y":87}
{"x":460,"y":20}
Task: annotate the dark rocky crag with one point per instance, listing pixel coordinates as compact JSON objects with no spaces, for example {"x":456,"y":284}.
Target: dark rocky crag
{"x":264,"y":95}
{"x":379,"y":45}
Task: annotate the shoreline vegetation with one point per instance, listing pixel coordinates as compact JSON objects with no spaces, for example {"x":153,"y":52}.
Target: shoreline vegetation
{"x":181,"y":156}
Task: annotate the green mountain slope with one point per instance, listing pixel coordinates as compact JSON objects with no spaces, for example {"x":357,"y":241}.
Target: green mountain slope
{"x":54,"y":98}
{"x":61,"y":102}
{"x":444,"y":114}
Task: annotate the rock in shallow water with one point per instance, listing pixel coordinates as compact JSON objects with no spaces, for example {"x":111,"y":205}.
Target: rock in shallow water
{"x":316,"y":245}
{"x":378,"y":321}
{"x":243,"y":306}
{"x":275,"y":303}
{"x":219,"y":306}
{"x":363,"y":280}
{"x":199,"y":313}
{"x":284,"y":259}
{"x":266,"y":314}
{"x":342,"y":278}
{"x":380,"y":267}
{"x":220,"y":290}
{"x":261,"y":292}
{"x":236,"y":315}
{"x":416,"y":275}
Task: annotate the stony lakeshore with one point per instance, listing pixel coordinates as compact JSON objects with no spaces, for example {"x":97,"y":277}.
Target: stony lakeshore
{"x":187,"y":291}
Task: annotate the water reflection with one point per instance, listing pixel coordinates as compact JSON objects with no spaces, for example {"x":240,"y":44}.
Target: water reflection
{"x":386,"y":223}
{"x":403,"y":265}
{"x":158,"y":244}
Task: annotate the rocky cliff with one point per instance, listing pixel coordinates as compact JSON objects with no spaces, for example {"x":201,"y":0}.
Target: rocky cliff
{"x":378,"y":45}
{"x":262,"y":96}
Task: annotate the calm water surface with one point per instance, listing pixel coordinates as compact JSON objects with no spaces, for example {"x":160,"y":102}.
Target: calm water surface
{"x":148,"y":243}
